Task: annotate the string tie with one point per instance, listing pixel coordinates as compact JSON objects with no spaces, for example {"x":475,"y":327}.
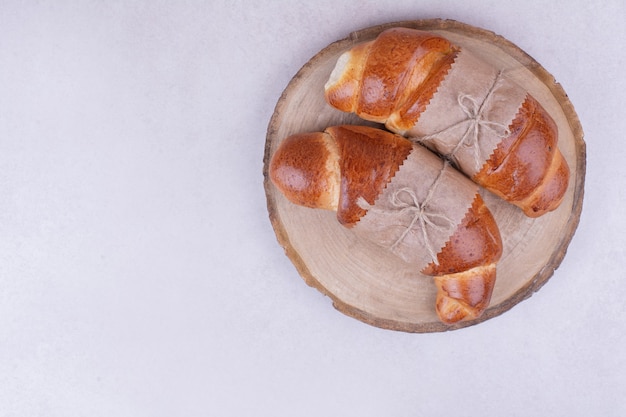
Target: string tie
{"x":474,"y":121}
{"x":404,"y":200}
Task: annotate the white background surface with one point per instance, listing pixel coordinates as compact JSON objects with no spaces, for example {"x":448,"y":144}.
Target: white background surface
{"x":140,"y":275}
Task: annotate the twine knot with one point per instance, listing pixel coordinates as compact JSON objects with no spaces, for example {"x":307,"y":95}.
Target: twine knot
{"x":422,"y":217}
{"x":473,"y":122}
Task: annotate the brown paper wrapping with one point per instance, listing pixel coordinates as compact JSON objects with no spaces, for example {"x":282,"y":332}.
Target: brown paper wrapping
{"x":470,"y":113}
{"x":419,"y":210}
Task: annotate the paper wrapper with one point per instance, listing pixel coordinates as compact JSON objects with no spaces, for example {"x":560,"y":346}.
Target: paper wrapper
{"x":470,"y":113}
{"x":419,"y":210}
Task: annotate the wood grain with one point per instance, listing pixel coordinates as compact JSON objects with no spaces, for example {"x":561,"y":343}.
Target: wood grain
{"x":374,"y":286}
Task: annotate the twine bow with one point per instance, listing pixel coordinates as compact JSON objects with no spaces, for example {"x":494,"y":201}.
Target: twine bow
{"x":421,"y":217}
{"x":474,"y":121}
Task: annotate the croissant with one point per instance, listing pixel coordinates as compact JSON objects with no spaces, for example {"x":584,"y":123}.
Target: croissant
{"x":423,"y":87}
{"x":354,"y":170}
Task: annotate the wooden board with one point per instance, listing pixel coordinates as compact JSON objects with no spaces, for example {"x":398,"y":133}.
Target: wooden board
{"x":374,"y":286}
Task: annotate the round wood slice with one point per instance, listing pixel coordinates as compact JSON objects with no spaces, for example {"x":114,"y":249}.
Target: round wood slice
{"x":373,"y":285}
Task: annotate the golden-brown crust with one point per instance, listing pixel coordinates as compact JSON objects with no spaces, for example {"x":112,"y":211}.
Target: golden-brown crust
{"x":464,"y":295}
{"x":466,"y":270}
{"x":369,"y":158}
{"x":298,"y":169}
{"x":384,"y":78}
{"x":524,"y":163}
{"x":394,"y":75}
{"x":550,"y":193}
{"x":342,"y":89}
{"x":476,"y":241}
{"x":415,"y":102}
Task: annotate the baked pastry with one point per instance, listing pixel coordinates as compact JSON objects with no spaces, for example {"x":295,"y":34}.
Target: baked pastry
{"x":422,"y":86}
{"x":404,"y":198}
